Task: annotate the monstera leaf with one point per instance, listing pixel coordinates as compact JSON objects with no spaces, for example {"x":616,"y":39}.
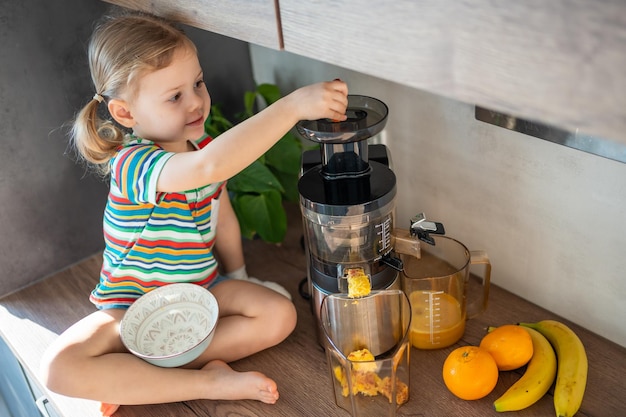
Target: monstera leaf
{"x":261,"y":215}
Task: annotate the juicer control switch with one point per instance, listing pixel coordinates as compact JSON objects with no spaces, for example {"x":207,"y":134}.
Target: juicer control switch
{"x":422,"y":228}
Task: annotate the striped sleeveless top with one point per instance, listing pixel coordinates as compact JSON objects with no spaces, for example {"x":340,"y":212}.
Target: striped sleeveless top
{"x":151,"y":238}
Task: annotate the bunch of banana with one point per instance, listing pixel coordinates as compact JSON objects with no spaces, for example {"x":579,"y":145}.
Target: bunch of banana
{"x":537,"y":379}
{"x":571,"y":377}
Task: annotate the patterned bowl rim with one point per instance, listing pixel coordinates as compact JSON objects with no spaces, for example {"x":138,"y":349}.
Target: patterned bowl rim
{"x":156,"y":293}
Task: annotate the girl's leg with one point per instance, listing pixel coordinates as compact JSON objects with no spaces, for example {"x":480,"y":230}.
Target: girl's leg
{"x":252,"y":318}
{"x":89,"y":361}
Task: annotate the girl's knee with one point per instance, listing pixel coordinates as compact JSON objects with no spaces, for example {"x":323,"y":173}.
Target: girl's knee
{"x":285,"y":317}
{"x":53,"y":367}
{"x":92,"y":336}
{"x":292,"y":316}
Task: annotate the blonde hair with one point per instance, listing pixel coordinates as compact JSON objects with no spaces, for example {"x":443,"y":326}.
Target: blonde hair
{"x":121,"y":50}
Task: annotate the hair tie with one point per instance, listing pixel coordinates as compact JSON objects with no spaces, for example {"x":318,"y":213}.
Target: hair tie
{"x":98,"y":97}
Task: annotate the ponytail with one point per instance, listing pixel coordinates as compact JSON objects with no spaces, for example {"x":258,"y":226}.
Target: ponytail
{"x":94,"y":138}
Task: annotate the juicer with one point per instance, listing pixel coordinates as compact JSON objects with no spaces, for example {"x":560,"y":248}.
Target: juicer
{"x":347,"y":197}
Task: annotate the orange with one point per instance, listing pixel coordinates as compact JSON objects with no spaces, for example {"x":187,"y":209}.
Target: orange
{"x":470,"y":372}
{"x":510,"y":345}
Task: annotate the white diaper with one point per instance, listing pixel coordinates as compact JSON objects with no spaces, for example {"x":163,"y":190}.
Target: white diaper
{"x":242,"y":274}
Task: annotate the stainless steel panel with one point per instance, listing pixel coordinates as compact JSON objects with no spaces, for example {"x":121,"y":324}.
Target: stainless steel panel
{"x":586,"y":143}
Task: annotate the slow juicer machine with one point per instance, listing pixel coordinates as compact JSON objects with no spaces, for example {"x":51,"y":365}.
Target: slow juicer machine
{"x":347,"y":196}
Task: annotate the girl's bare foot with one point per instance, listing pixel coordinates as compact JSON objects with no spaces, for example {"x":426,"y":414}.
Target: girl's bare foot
{"x":234,"y":385}
{"x":230,"y":385}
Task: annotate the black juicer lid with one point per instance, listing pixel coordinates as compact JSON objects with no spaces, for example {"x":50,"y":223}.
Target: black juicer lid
{"x":338,"y":197}
{"x":367,"y":116}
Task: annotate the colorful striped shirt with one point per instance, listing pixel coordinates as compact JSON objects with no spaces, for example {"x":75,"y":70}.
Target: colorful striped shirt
{"x":153,"y":238}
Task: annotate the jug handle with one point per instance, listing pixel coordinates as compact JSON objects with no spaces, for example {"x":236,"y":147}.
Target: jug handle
{"x":480,"y":257}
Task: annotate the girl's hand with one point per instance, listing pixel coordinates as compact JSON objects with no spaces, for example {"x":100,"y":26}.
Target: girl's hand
{"x":322,"y":100}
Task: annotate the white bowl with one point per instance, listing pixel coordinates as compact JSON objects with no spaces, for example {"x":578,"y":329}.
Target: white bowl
{"x":171,"y":325}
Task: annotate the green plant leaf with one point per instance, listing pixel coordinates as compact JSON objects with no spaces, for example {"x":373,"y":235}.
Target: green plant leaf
{"x":262,"y":214}
{"x":249,"y":99}
{"x":247,"y":230}
{"x":290,"y":185}
{"x":269,"y":92}
{"x":256,"y":178}
{"x":216,"y":123}
{"x":285,"y":155}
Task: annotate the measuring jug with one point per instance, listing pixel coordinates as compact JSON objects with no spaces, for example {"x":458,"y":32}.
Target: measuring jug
{"x":376,"y":385}
{"x":441,"y":291}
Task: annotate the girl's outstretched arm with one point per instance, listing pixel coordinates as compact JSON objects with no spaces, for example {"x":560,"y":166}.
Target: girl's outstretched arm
{"x":241,"y":145}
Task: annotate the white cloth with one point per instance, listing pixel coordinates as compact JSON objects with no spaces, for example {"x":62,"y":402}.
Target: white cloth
{"x":242,"y":274}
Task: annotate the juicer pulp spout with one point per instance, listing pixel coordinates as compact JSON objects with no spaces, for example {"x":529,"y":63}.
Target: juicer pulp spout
{"x":355,"y":282}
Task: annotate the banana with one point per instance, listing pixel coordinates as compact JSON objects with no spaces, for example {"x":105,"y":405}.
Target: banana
{"x":537,"y":379}
{"x":572,"y":366}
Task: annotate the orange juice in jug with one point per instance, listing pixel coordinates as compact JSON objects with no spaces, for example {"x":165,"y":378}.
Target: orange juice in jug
{"x":437,"y":320}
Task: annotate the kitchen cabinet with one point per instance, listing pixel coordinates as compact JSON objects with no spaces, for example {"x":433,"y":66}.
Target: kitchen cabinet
{"x":254,"y":21}
{"x":559,"y":62}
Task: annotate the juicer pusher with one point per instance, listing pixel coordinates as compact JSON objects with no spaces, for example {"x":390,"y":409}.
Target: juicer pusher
{"x":367,"y":117}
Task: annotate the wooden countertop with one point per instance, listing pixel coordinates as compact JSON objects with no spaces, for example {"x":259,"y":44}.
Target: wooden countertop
{"x":31,"y":318}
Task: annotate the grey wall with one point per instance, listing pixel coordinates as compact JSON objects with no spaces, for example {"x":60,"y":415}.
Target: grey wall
{"x":51,"y":208}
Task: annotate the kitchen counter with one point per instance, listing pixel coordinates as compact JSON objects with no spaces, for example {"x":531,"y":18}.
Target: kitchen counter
{"x":31,"y":318}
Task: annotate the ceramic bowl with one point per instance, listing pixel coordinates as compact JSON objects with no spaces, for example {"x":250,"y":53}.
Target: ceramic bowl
{"x":171,"y":325}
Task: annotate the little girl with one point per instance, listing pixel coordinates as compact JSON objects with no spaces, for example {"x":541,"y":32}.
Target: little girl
{"x":167,"y":196}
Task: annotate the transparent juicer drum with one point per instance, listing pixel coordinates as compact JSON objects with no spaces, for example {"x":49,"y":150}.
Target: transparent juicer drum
{"x":357,"y":238}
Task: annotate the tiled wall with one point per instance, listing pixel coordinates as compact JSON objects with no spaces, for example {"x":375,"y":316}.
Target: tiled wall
{"x":552,"y":219}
